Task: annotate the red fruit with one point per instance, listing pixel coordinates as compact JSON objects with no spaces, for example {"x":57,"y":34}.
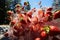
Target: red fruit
{"x":53,"y":28}
{"x":18,"y":30}
{"x":23,"y":21}
{"x":15,"y":33}
{"x":24,"y":17}
{"x":34,"y":20}
{"x":43,"y":34}
{"x":9,"y":12}
{"x":37,"y":39}
{"x":49,"y":13}
{"x":45,"y":19}
{"x":48,"y":16}
{"x":6,"y":34}
{"x":29,"y":13}
{"x":34,"y":28}
{"x":20,"y":15}
{"x":38,"y":27}
{"x":18,"y":26}
{"x":40,"y":13}
{"x":13,"y":22}
{"x":56,"y":15}
{"x":29,"y":19}
{"x":49,"y":9}
{"x":41,"y":29}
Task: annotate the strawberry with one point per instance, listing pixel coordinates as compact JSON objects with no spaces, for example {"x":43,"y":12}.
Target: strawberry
{"x":6,"y":34}
{"x":49,"y":9}
{"x":56,"y":15}
{"x":37,"y":39}
{"x":43,"y":34}
{"x":41,"y":29}
{"x":9,"y":12}
{"x":34,"y":20}
{"x":13,"y":22}
{"x":40,"y":13}
{"x":29,"y":13}
{"x":54,"y":30}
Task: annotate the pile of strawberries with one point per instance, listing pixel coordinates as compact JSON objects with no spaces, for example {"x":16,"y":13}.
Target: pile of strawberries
{"x":34,"y":23}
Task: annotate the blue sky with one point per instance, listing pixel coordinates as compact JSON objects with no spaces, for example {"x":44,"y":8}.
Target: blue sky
{"x":34,"y":3}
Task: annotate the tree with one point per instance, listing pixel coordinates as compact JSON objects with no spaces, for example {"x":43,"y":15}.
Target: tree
{"x":10,"y":4}
{"x":27,"y":6}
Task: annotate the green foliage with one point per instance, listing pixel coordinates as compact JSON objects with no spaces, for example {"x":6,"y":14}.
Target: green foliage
{"x":47,"y":29}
